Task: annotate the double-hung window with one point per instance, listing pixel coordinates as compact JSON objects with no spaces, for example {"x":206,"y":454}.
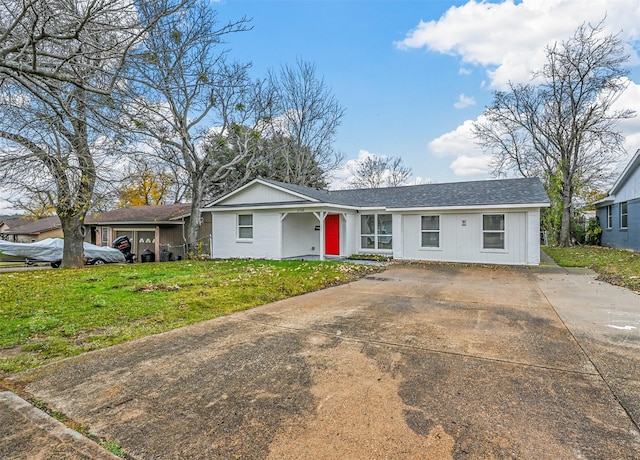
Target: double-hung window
{"x":245,"y":226}
{"x":493,"y":231}
{"x":430,"y":232}
{"x":623,"y":215}
{"x":104,"y":236}
{"x":376,"y":231}
{"x":609,"y":217}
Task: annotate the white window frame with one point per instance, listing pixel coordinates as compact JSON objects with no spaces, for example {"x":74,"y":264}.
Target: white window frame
{"x":241,"y":226}
{"x":376,"y":235}
{"x":624,"y":216}
{"x":503,"y":231}
{"x":104,"y":236}
{"x":609,"y":217}
{"x":422,"y":232}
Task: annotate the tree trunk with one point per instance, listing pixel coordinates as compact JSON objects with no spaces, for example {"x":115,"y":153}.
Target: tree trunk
{"x":193,"y":226}
{"x":73,"y":252}
{"x":565,"y":224}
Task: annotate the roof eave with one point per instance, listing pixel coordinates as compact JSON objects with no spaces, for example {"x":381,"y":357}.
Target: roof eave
{"x":317,"y":205}
{"x":470,"y":207}
{"x":135,"y":222}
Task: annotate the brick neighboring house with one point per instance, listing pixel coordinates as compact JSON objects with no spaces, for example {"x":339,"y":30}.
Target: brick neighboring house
{"x":161,"y":229}
{"x":24,"y":230}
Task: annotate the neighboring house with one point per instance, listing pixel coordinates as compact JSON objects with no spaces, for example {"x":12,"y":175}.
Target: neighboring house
{"x":161,"y":229}
{"x":495,"y":222}
{"x":24,"y":230}
{"x":619,"y":212}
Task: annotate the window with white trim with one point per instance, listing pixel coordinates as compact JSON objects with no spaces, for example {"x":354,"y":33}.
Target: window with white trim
{"x":430,"y":231}
{"x":104,"y":236}
{"x":623,"y":215}
{"x":609,"y":217}
{"x":376,"y":231}
{"x":493,"y":231}
{"x":245,"y":226}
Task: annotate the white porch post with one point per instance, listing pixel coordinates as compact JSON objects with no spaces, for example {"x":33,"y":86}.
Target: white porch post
{"x":320,"y":216}
{"x":157,"y":244}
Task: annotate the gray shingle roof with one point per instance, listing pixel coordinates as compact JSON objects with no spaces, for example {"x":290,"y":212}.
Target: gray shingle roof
{"x":455,"y":194}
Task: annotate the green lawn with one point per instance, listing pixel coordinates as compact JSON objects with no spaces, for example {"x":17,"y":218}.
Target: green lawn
{"x":614,"y":266}
{"x":53,"y":314}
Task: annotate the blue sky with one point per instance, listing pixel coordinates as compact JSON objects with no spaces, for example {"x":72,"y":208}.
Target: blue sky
{"x":413,"y":75}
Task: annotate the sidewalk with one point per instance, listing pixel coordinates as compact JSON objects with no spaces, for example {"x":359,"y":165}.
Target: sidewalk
{"x":29,"y":433}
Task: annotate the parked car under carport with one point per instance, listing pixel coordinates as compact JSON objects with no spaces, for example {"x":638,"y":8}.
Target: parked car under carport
{"x":50,"y":250}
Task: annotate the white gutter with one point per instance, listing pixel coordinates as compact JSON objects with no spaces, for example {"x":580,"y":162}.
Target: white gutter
{"x":311,"y":206}
{"x":287,"y":206}
{"x":471,"y":208}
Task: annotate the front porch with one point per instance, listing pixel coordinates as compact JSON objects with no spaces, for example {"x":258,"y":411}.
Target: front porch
{"x":313,"y":235}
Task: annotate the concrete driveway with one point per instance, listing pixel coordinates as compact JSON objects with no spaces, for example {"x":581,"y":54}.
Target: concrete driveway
{"x":418,"y":361}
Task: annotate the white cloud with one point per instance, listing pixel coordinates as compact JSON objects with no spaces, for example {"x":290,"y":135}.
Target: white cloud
{"x":6,"y":208}
{"x":464,"y":101}
{"x":509,"y":39}
{"x":418,"y":180}
{"x":471,"y":160}
{"x":341,"y":177}
{"x":460,"y":143}
{"x":466,"y":165}
{"x":630,"y":128}
{"x":456,"y":142}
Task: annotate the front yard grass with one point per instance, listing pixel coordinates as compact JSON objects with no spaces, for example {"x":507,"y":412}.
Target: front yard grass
{"x":614,"y":266}
{"x":53,"y":314}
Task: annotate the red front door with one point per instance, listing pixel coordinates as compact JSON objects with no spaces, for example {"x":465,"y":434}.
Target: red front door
{"x":332,"y":235}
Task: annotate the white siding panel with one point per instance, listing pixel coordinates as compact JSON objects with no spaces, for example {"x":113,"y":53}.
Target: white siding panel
{"x":260,"y":193}
{"x":631,"y":188}
{"x":264,"y":245}
{"x":461,"y":239}
{"x":350,"y":236}
{"x":299,"y":236}
{"x":533,"y":237}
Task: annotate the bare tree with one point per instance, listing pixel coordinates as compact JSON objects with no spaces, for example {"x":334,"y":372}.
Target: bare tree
{"x":188,"y":99}
{"x":561,"y":126}
{"x":306,"y":125}
{"x":375,"y":171}
{"x":59,"y":65}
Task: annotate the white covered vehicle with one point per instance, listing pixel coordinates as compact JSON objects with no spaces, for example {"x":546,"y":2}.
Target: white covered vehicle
{"x":50,"y":250}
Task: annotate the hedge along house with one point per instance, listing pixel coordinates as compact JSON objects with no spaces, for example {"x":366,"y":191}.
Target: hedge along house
{"x":619,"y":212}
{"x":495,"y":222}
{"x":156,"y":228}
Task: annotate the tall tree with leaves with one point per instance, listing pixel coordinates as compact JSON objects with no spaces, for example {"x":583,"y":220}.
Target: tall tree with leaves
{"x":60,"y":63}
{"x":188,"y":97}
{"x":561,"y":126}
{"x":145,"y":187}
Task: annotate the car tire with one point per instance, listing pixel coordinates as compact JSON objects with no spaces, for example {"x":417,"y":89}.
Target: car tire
{"x":56,"y":264}
{"x":98,"y":262}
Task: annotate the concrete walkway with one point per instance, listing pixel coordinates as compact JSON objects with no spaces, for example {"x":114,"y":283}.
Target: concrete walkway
{"x":419,"y":361}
